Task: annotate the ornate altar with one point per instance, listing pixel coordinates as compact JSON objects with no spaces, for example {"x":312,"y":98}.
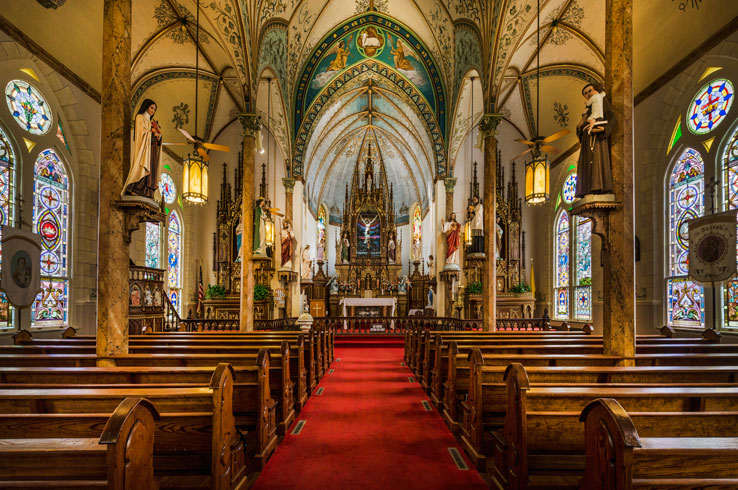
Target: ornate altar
{"x":512,"y":302}
{"x":227,"y":254}
{"x":368,"y":262}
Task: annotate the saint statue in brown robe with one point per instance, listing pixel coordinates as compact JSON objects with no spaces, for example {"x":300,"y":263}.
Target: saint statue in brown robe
{"x":287,"y":238}
{"x":594,"y":173}
{"x":143,"y":177}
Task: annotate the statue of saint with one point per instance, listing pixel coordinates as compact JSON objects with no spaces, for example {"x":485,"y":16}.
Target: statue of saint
{"x":391,"y":249}
{"x":287,"y":239}
{"x":307,"y":269}
{"x":431,"y":267}
{"x":417,"y":250}
{"x":452,"y":230}
{"x":594,"y":173}
{"x":345,"y":248}
{"x":477,"y":226}
{"x":143,"y":177}
{"x":239,"y":237}
{"x":260,"y":217}
{"x":321,"y":248}
{"x":498,"y":240}
{"x":431,"y":294}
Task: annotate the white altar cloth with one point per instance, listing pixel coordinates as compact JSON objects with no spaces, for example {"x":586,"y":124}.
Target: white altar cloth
{"x":369,"y":302}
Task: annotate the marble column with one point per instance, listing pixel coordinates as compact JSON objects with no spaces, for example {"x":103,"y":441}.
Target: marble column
{"x":112,"y":252}
{"x":289,"y":188}
{"x":488,"y":126}
{"x":450,"y":183}
{"x":251,"y":125}
{"x":619,"y":265}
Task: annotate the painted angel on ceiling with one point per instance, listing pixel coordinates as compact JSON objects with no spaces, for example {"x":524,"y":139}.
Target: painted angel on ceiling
{"x":400,"y":54}
{"x":343,"y":53}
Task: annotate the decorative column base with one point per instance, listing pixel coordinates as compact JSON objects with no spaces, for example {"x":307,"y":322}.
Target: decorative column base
{"x":448,"y":277}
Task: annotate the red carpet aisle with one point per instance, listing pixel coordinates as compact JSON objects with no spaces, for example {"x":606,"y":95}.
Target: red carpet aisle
{"x":368,"y":430}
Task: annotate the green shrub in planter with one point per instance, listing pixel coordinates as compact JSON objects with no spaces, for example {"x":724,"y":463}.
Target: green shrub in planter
{"x":261,"y":292}
{"x":474,"y":288}
{"x":520,"y":288}
{"x":215,"y":292}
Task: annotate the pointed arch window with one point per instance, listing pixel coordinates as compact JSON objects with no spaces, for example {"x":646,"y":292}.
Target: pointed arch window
{"x":730,"y":201}
{"x":153,"y":245}
{"x":174,"y":254}
{"x":573,"y":266}
{"x":51,"y":221}
{"x":7,"y":211}
{"x":562,"y":265}
{"x":685,"y":298}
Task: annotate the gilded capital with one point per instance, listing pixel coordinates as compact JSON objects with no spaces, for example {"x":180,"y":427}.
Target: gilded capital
{"x":289,"y":184}
{"x":488,"y":124}
{"x":450,"y":183}
{"x":250,"y":123}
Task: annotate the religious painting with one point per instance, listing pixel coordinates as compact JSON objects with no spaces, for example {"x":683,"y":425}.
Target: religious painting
{"x":370,"y":41}
{"x":368,"y":234}
{"x":135,"y":296}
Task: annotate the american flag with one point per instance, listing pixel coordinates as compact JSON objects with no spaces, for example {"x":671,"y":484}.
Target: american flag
{"x":199,"y":295}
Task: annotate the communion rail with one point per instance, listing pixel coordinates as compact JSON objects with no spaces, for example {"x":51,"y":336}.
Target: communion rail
{"x":376,"y":325}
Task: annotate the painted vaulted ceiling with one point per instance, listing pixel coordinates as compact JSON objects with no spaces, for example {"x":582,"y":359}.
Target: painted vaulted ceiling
{"x":424,"y":104}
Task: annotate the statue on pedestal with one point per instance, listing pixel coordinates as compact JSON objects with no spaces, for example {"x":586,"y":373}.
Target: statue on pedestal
{"x":431,"y":267}
{"x":452,"y":230}
{"x":345,"y":248}
{"x":260,"y":218}
{"x":288,"y":240}
{"x":477,"y":226}
{"x":417,"y":250}
{"x":391,"y":249}
{"x":431,"y":295}
{"x":498,"y":240}
{"x":239,"y":238}
{"x":307,"y":270}
{"x":143,"y":177}
{"x":594,"y":173}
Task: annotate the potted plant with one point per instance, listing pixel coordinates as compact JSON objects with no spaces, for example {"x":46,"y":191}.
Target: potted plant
{"x":215,"y":292}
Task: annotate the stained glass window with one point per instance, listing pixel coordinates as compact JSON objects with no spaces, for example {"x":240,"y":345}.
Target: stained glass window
{"x":562,"y":265}
{"x":153,"y":245}
{"x":174,"y":253}
{"x":686,"y":202}
{"x":685,"y":301}
{"x":583,"y":291}
{"x":417,"y":224}
{"x":570,"y":188}
{"x":50,"y":220}
{"x":730,"y":201}
{"x":7,"y":194}
{"x":167,"y":188}
{"x":321,"y":225}
{"x":28,"y":107}
{"x":710,"y":106}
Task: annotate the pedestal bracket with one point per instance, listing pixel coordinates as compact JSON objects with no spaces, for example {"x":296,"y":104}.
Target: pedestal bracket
{"x":139,"y":210}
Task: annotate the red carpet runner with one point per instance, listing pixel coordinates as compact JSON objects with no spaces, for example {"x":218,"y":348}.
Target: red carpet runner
{"x":368,"y":430}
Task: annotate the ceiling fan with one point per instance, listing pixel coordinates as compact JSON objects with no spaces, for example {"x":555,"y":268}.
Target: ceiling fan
{"x":541,"y":143}
{"x":197,"y":143}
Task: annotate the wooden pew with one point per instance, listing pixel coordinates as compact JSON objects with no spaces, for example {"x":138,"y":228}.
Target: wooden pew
{"x":675,"y":451}
{"x":448,"y":391}
{"x":280,"y":379}
{"x":195,"y":441}
{"x":542,"y":435}
{"x":253,"y":406}
{"x":119,"y":457}
{"x":484,"y":409}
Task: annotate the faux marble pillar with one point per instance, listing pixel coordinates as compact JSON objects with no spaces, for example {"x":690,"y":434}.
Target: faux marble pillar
{"x":619,"y":266}
{"x":450,"y":183}
{"x":250,"y":123}
{"x":488,"y":126}
{"x":289,"y":188}
{"x":112,"y":253}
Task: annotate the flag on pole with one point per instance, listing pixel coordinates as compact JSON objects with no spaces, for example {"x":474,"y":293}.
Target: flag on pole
{"x":199,"y":294}
{"x":532,"y":279}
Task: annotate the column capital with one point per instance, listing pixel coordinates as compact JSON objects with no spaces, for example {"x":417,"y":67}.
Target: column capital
{"x":488,"y":124}
{"x":289,"y":184}
{"x":250,"y":123}
{"x":450,"y":183}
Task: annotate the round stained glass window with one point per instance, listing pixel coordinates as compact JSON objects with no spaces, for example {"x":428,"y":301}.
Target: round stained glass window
{"x":167,"y":188}
{"x":710,"y":106}
{"x":570,"y":188}
{"x":28,"y":107}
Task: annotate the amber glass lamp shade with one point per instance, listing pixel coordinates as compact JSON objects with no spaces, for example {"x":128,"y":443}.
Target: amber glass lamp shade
{"x":195,"y":180}
{"x":269,"y":232}
{"x":536,"y":180}
{"x":467,"y":233}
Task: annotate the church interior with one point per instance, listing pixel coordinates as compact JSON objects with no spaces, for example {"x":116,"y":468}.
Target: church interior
{"x":381,"y":244}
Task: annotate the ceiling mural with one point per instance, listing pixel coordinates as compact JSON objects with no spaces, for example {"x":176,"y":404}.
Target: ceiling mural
{"x":468,"y":54}
{"x":385,"y":42}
